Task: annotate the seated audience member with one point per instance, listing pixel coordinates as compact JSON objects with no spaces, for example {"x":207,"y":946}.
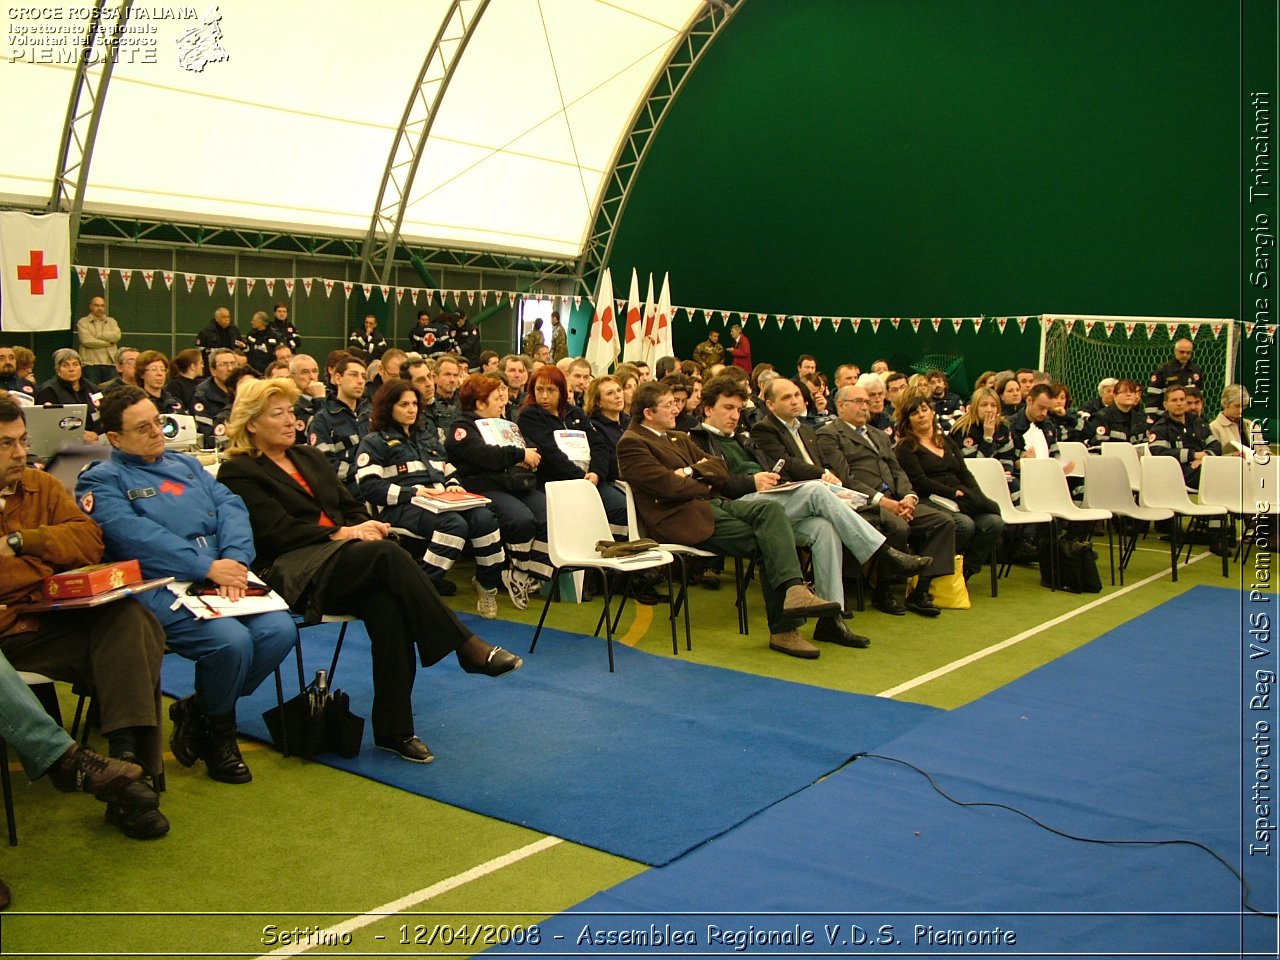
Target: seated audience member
{"x":1028,"y":378}
{"x":986,"y":379}
{"x":879,"y":417}
{"x":153,"y":373}
{"x":213,"y":397}
{"x":933,"y":465}
{"x":1123,"y":420}
{"x":9,"y":379}
{"x":277,"y":368}
{"x":238,"y":376}
{"x":261,"y":341}
{"x":806,"y":368}
{"x":780,"y":434}
{"x":166,"y":511}
{"x":69,"y":386}
{"x":186,"y":373}
{"x":1032,"y":431}
{"x":822,"y":521}
{"x":26,"y":361}
{"x":393,"y":359}
{"x":982,"y":431}
{"x":517,"y":369}
{"x":1189,"y":439}
{"x":1009,"y":390}
{"x":449,"y":373}
{"x":311,"y":390}
{"x":1062,"y":418}
{"x":665,"y":366}
{"x":680,"y":496}
{"x":1195,"y":403}
{"x":114,"y":649}
{"x":340,"y":422}
{"x":1234,"y":433}
{"x":126,"y":371}
{"x":570,"y":448}
{"x":606,"y":401}
{"x":681,"y":388}
{"x":318,"y":547}
{"x":1095,"y":405}
{"x":862,"y":459}
{"x":578,"y":377}
{"x":401,"y":458}
{"x":285,"y":330}
{"x":759,"y":370}
{"x":368,"y":338}
{"x":44,"y":748}
{"x":628,"y":375}
{"x":489,"y":361}
{"x":895,"y":384}
{"x":495,"y":465}
{"x":947,"y":405}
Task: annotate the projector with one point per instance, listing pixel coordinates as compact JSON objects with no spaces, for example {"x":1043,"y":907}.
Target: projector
{"x":179,"y":432}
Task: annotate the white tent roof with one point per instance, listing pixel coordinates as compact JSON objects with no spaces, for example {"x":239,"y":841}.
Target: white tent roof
{"x":293,"y":129}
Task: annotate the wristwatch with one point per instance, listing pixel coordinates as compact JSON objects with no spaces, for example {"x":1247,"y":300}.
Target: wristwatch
{"x":687,"y":471}
{"x":14,"y":542}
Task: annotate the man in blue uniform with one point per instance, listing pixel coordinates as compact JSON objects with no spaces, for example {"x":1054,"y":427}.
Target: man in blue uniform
{"x":1179,"y":371}
{"x":164,"y":510}
{"x":1178,"y":435}
{"x":340,"y":421}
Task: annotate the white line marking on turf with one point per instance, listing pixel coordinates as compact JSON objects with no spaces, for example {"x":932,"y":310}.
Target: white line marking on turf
{"x":413,"y":899}
{"x":1026,"y":634}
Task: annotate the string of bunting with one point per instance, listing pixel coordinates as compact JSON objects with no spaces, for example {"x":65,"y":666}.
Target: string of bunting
{"x":474,"y":298}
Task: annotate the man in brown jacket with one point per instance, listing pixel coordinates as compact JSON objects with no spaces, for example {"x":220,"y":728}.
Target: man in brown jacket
{"x":114,"y":649}
{"x":678,"y":496}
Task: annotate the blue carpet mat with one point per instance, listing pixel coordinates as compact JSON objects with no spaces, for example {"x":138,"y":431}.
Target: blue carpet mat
{"x":646,"y":763}
{"x":1143,"y":734}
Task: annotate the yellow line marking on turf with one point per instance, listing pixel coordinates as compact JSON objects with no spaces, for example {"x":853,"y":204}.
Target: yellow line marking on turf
{"x":421,"y":896}
{"x":644,"y":618}
{"x":1026,"y":634}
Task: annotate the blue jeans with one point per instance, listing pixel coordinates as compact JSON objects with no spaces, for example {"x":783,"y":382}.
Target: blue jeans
{"x":24,"y":724}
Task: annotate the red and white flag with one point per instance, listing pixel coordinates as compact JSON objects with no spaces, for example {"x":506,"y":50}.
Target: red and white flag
{"x":602,"y":343}
{"x":35,"y":272}
{"x":650,"y":324}
{"x":633,"y":347}
{"x":663,"y":342}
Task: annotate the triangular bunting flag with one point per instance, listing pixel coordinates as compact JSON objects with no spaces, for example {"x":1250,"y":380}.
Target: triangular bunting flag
{"x":798,"y":321}
{"x":1022,"y":324}
{"x":915,"y":324}
{"x":1151,"y":330}
{"x":577,"y":301}
{"x":1088,"y":326}
{"x":231,"y":286}
{"x":306,"y":285}
{"x":835,"y":323}
{"x":895,"y":321}
{"x":289,"y":283}
{"x":937,"y":322}
{"x":1129,"y":328}
{"x":977,"y":323}
{"x":386,"y":294}
{"x":1217,"y":330}
{"x":1248,"y":328}
{"x":82,"y":272}
{"x":366,"y":287}
{"x":1195,"y":330}
{"x":210,"y":282}
{"x":191,"y":280}
{"x":328,"y":288}
{"x":168,"y":279}
{"x":1002,"y":322}
{"x":148,"y":276}
{"x":1109,"y":326}
{"x":125,"y":277}
{"x":875,"y":324}
{"x":249,"y":284}
{"x":855,"y":322}
{"x":815,"y":323}
{"x":399,"y":294}
{"x":347,"y":287}
{"x":957,"y":323}
{"x":1048,"y":322}
{"x":103,"y":273}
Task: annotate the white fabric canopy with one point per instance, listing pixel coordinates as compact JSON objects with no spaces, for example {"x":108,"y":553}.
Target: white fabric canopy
{"x":293,"y":128}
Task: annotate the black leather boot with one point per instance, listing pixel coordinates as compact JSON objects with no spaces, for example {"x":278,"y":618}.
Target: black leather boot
{"x":187,"y":738}
{"x":220,"y":751}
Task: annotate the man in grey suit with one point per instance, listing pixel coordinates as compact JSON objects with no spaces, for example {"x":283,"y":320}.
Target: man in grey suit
{"x":863,"y":460}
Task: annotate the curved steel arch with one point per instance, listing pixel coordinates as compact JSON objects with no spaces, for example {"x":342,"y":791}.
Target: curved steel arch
{"x":643,"y":127}
{"x":80,"y":129}
{"x":377,"y":256}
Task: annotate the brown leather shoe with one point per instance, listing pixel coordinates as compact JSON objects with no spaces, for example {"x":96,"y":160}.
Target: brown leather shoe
{"x":82,"y":769}
{"x":800,"y":601}
{"x":793,"y":645}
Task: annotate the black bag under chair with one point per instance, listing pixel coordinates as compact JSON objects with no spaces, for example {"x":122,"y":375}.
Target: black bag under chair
{"x":1069,"y":564}
{"x":318,"y":720}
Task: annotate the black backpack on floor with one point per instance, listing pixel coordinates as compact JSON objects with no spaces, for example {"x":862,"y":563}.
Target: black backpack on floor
{"x":1077,"y":564}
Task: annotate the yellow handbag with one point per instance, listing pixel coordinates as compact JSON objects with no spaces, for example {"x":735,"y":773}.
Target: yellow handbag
{"x":949,"y":592}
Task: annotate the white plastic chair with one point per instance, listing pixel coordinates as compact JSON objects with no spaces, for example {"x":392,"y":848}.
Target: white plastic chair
{"x":1127,"y":454}
{"x":989,"y":473}
{"x":1044,"y":487}
{"x":576,"y":522}
{"x":1164,"y":486}
{"x":1106,"y":487}
{"x":1075,"y":453}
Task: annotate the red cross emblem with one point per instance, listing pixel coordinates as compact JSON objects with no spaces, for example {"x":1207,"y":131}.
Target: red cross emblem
{"x":176,"y":489}
{"x":36,"y":272}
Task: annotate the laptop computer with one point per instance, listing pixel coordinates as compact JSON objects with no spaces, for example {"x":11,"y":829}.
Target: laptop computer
{"x":52,"y":428}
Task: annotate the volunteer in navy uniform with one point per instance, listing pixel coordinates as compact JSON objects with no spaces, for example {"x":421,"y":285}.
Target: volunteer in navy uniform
{"x":1178,"y":372}
{"x":340,"y":421}
{"x":1122,"y":421}
{"x":397,"y":461}
{"x":9,"y":379}
{"x":165,"y":510}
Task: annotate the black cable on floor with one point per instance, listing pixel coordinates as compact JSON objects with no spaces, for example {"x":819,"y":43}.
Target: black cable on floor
{"x":1244,"y":884}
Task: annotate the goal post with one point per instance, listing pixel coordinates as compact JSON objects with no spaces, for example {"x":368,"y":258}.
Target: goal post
{"x":1079,"y":350}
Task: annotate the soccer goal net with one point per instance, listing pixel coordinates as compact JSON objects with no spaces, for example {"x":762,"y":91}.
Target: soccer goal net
{"x":1081,"y":350}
